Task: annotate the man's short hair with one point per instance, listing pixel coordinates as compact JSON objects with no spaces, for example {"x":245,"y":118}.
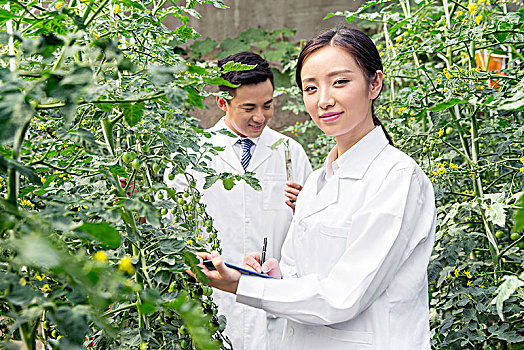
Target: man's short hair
{"x":260,"y":73}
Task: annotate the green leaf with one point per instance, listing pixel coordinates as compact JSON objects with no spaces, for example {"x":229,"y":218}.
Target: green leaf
{"x":446,"y":104}
{"x":191,"y":260}
{"x":236,"y":66}
{"x":176,"y":96}
{"x":85,"y":139}
{"x":107,"y":129}
{"x":505,"y":290}
{"x":133,"y":112}
{"x":277,"y":143}
{"x":228,"y":183}
{"x":210,"y":180}
{"x":171,"y":245}
{"x":144,"y":209}
{"x":518,"y":216}
{"x":24,"y":170}
{"x":102,"y":232}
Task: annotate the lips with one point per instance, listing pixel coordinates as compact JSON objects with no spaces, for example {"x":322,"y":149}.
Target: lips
{"x":256,"y":127}
{"x":329,"y":117}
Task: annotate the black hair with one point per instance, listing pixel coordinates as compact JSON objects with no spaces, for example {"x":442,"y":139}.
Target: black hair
{"x":260,"y":73}
{"x":358,"y":45}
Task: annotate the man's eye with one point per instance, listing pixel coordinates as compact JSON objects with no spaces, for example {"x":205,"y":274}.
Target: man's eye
{"x":248,"y":109}
{"x":267,"y":106}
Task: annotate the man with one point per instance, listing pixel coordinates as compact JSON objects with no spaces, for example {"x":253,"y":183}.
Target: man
{"x":244,"y":216}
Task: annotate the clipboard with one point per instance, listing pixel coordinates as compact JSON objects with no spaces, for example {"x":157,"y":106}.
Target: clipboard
{"x":211,"y":267}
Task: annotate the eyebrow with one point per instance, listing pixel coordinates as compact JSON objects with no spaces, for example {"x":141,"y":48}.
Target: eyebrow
{"x":254,"y":104}
{"x":330,"y":74}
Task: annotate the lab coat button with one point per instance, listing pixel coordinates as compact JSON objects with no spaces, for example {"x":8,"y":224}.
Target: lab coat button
{"x":291,"y":331}
{"x":247,"y":221}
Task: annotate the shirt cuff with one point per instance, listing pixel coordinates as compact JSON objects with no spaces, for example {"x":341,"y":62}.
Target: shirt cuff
{"x":250,"y":290}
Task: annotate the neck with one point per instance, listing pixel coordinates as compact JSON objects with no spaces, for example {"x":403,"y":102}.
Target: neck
{"x":348,"y":140}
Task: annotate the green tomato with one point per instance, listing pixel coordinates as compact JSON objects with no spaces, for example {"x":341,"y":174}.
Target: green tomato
{"x":449,"y":130}
{"x":144,"y":148}
{"x":176,"y":218}
{"x":160,"y":195}
{"x":184,"y":207}
{"x":173,"y":210}
{"x":183,"y":330}
{"x":186,"y":194}
{"x":181,"y":201}
{"x":190,"y":217}
{"x":136,"y":164}
{"x":163,"y":211}
{"x":520,"y":245}
{"x":128,"y":157}
{"x":213,"y":235}
{"x":425,"y":150}
{"x":171,"y":176}
{"x":435,"y":153}
{"x":209,"y":223}
{"x":155,"y":167}
{"x":499,"y":234}
{"x":190,"y":207}
{"x":55,"y":333}
{"x":514,"y":236}
{"x":184,"y":344}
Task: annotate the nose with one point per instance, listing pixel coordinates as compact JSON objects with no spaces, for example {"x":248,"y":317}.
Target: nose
{"x":325,"y":100}
{"x":258,"y":116}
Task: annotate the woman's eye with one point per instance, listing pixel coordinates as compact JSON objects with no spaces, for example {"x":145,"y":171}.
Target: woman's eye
{"x":309,"y":88}
{"x":341,"y":81}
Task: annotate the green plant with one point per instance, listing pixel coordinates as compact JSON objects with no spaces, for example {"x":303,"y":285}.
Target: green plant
{"x":94,"y":105}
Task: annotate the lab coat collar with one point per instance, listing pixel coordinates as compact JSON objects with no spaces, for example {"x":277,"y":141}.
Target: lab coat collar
{"x":355,"y":161}
{"x":262,"y":150}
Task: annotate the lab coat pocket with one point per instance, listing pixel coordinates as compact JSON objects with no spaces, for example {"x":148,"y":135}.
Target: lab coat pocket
{"x":273,"y":191}
{"x":334,"y":237}
{"x":343,"y":339}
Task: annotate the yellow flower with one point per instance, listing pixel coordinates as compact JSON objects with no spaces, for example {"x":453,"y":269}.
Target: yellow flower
{"x":478,"y":19}
{"x":96,"y":35}
{"x":522,"y":159}
{"x":100,"y":256}
{"x":42,"y":179}
{"x":447,"y":75}
{"x":39,"y":277}
{"x":22,"y":281}
{"x":297,"y":123}
{"x":125,"y":265}
{"x":46,"y":288}
{"x":25,"y":203}
{"x":457,"y":272}
{"x":468,"y":274}
{"x":190,"y":242}
{"x":438,"y":80}
{"x":85,"y":207}
{"x":59,"y":5}
{"x":440,"y":132}
{"x":472,"y":7}
{"x":470,"y":283}
{"x":398,"y":38}
{"x":116,"y":9}
{"x":522,"y":170}
{"x":459,"y":13}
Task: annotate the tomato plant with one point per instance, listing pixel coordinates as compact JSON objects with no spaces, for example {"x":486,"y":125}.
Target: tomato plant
{"x":94,"y":106}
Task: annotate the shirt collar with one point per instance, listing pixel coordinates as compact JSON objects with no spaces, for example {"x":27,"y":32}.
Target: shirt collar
{"x":356,"y":160}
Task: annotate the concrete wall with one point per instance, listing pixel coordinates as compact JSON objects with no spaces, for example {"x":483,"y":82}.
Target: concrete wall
{"x":303,"y":15}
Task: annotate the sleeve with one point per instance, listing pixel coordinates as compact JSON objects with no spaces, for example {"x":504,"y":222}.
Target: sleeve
{"x":389,"y":226}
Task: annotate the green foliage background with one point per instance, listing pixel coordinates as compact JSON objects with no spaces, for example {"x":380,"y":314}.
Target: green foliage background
{"x":96,"y":105}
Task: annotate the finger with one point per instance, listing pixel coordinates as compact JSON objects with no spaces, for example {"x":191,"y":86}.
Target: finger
{"x":291,"y":196}
{"x":294,"y":185}
{"x":252,"y":261}
{"x":291,"y":205}
{"x":272,"y":268}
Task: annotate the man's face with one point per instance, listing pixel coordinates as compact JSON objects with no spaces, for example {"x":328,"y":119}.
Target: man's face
{"x":250,"y":110}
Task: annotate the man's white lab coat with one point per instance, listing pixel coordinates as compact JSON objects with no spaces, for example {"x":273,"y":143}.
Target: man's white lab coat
{"x":243,"y":217}
{"x":356,"y":255}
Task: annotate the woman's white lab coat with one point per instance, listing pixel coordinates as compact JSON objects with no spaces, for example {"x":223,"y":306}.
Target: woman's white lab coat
{"x":244,"y":216}
{"x":355,"y":257}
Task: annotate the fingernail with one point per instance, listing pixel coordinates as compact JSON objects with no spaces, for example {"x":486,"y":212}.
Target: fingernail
{"x":265,"y":269}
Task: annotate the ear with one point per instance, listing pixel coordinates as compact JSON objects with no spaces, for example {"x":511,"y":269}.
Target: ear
{"x":376,"y":85}
{"x":222,"y":103}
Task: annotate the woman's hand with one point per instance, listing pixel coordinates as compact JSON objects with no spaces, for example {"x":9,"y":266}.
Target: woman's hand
{"x":223,"y":277}
{"x":270,"y":266}
{"x":291,"y":191}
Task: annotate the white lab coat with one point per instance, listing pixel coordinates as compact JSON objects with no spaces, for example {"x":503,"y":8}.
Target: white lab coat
{"x":243,"y":217}
{"x":356,"y":256}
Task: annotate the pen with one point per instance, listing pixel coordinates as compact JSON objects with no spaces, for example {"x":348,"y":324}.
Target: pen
{"x":264,"y":251}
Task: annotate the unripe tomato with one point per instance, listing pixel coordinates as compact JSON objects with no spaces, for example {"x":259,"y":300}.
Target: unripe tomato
{"x":144,"y":148}
{"x":155,"y":167}
{"x":171,"y":176}
{"x":499,"y":234}
{"x":449,"y":130}
{"x":183,"y":330}
{"x":209,"y":229}
{"x":514,"y":236}
{"x":163,"y":211}
{"x":186,"y":194}
{"x":435,"y":153}
{"x":128,"y":157}
{"x":207,"y":291}
{"x":425,"y":150}
{"x":184,"y":207}
{"x":136,"y":164}
{"x":190,"y":217}
{"x":184,"y":344}
{"x":213,"y":235}
{"x":520,"y":245}
{"x":181,"y":201}
{"x":209,"y":223}
{"x":173,"y":210}
{"x":55,"y":333}
{"x":160,"y":195}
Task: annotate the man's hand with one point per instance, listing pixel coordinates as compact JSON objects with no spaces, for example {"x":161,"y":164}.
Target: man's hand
{"x":270,"y":266}
{"x":291,"y":191}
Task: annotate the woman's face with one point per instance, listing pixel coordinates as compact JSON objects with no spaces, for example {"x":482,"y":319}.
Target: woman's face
{"x":337,"y":95}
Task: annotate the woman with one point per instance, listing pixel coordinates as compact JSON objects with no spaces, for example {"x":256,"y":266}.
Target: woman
{"x":353,"y":268}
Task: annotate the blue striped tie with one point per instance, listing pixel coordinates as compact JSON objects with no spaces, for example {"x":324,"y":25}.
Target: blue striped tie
{"x":246,"y":152}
